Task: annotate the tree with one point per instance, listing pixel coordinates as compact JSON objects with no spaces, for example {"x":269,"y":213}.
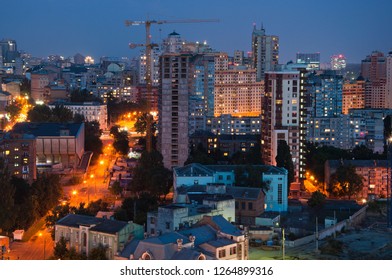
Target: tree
{"x":46,"y":191}
{"x":135,"y":209}
{"x":13,"y":110}
{"x":199,"y":155}
{"x":40,"y":113}
{"x":141,"y":123}
{"x":98,"y":253}
{"x":316,"y":201}
{"x":115,"y":189}
{"x":345,"y":182}
{"x":60,"y":249}
{"x":284,"y":159}
{"x":7,"y":202}
{"x":61,"y":114}
{"x":151,"y":176}
{"x":92,"y":139}
{"x":121,"y":143}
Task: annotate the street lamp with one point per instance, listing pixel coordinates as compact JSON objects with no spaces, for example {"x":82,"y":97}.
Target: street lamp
{"x":40,"y":234}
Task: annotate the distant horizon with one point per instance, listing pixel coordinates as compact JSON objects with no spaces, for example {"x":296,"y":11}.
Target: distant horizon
{"x":97,"y":29}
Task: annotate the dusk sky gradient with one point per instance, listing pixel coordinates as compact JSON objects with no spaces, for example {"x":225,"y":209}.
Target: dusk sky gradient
{"x":96,"y":27}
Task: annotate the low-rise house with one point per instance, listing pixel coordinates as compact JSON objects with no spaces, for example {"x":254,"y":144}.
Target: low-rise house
{"x":86,"y":232}
{"x":249,"y":204}
{"x":213,"y":237}
{"x":177,"y":216}
{"x":274,"y":178}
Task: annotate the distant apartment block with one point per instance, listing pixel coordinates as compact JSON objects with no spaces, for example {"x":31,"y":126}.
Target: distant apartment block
{"x":265,"y":52}
{"x":353,"y":95}
{"x":236,"y":91}
{"x":91,"y":111}
{"x":18,"y":151}
{"x":311,"y":60}
{"x":229,"y":124}
{"x":375,"y":173}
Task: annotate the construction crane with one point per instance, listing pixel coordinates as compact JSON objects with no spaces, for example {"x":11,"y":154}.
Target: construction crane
{"x":149,"y":46}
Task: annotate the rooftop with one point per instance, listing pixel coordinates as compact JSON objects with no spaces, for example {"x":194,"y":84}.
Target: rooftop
{"x":97,"y":224}
{"x":244,"y":192}
{"x":47,"y":129}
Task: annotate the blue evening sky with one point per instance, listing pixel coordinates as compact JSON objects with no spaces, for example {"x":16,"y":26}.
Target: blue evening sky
{"x":96,"y":27}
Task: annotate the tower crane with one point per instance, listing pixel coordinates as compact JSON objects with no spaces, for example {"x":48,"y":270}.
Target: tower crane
{"x":149,"y":46}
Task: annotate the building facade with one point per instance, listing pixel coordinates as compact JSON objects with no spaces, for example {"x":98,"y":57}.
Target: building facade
{"x":91,"y":111}
{"x":173,"y":106}
{"x":353,"y":95}
{"x":85,"y":233}
{"x":284,"y":117}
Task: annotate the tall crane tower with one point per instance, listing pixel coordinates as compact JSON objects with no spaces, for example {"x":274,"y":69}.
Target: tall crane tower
{"x":149,"y":46}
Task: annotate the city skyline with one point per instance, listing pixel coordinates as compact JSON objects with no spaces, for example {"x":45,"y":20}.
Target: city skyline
{"x":304,"y":26}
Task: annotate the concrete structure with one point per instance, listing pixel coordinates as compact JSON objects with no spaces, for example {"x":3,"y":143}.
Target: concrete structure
{"x":175,"y":87}
{"x":375,"y":175}
{"x":213,"y":238}
{"x":85,"y":233}
{"x":276,"y":197}
{"x":57,"y":145}
{"x":265,"y":52}
{"x":389,"y":80}
{"x":353,"y":95}
{"x":237,"y":92}
{"x":284,"y":117}
{"x":19,"y":153}
{"x":91,"y":111}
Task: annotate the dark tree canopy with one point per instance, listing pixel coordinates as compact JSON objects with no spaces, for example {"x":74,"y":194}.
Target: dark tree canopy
{"x":284,"y":159}
{"x":345,"y":182}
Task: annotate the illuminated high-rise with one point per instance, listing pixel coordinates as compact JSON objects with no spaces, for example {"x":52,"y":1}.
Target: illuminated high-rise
{"x":265,"y":52}
{"x":338,"y":62}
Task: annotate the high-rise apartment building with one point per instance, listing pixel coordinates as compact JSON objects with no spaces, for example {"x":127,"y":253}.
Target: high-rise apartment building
{"x":176,"y":81}
{"x":389,"y":80}
{"x":155,"y":53}
{"x":265,"y":52}
{"x":284,"y":117}
{"x":311,"y":60}
{"x":338,"y":62}
{"x":374,"y":71}
{"x":353,"y":95}
{"x":236,"y":90}
{"x":325,"y":91}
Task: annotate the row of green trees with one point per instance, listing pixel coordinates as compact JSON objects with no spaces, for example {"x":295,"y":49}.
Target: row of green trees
{"x":22,"y":204}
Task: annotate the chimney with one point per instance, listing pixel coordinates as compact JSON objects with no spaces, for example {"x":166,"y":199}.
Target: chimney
{"x":179,"y":244}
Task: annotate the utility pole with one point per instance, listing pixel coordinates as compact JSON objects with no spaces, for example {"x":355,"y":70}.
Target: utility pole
{"x":283,"y":241}
{"x":317,"y":235}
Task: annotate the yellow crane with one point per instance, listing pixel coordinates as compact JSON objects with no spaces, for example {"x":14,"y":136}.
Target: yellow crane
{"x":149,"y":46}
